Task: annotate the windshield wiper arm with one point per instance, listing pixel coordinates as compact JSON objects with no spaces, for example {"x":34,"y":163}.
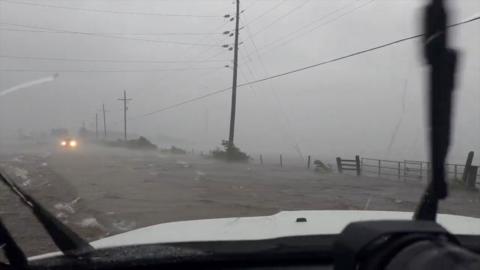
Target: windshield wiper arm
{"x":13,"y":253}
{"x":443,"y":63}
{"x":64,"y":238}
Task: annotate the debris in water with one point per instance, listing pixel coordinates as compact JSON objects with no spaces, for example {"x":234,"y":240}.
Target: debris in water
{"x":90,"y":222}
{"x":62,"y":216}
{"x":66,"y":207}
{"x":17,"y":159}
{"x":26,"y":182}
{"x":321,"y":167}
{"x":200,"y":175}
{"x":75,"y":201}
{"x":123,"y":225}
{"x":183,"y":164}
{"x":46,"y":154}
{"x":21,"y":173}
{"x":367,"y":204}
{"x":44,"y":183}
{"x":44,"y":164}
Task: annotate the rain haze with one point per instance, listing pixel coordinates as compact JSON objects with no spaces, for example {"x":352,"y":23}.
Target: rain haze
{"x":331,"y":112}
{"x":372,"y":104}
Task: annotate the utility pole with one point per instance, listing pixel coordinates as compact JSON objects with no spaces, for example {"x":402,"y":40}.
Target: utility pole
{"x":124,"y":99}
{"x":104,"y":122}
{"x":96,"y":125}
{"x":234,"y":84}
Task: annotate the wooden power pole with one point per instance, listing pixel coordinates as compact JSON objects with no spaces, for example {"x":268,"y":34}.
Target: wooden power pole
{"x":96,"y":126}
{"x":125,"y":99}
{"x":104,"y":122}
{"x":234,"y":84}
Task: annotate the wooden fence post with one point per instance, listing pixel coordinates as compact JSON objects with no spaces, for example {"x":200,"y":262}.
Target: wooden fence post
{"x":308,"y":162}
{"x":281,"y":161}
{"x":421,"y":170}
{"x":466,"y":169}
{"x":472,"y":177}
{"x":339,"y":164}
{"x":399,"y":170}
{"x":455,"y":171}
{"x":379,"y":166}
{"x":357,"y":161}
{"x":429,"y":169}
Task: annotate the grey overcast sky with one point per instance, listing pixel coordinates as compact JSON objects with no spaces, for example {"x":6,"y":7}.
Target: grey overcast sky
{"x":167,"y":51}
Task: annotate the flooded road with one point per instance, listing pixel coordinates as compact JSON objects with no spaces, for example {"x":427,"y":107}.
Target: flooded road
{"x":103,"y":191}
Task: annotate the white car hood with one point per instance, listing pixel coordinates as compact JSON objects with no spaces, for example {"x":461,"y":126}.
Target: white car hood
{"x":278,"y":225}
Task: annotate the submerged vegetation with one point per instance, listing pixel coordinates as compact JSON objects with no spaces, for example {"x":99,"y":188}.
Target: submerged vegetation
{"x":141,"y":143}
{"x":229,"y":153}
{"x":174,"y":150}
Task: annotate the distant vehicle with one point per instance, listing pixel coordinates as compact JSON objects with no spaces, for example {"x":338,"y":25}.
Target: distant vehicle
{"x":69,"y":143}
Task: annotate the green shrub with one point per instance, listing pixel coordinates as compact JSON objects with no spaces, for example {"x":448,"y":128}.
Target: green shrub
{"x":230,"y":153}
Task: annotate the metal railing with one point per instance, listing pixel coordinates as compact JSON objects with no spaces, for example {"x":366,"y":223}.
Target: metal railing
{"x":407,"y":169}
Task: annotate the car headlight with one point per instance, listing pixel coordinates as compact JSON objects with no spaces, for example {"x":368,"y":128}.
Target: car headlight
{"x":73,"y":143}
{"x":63,"y":143}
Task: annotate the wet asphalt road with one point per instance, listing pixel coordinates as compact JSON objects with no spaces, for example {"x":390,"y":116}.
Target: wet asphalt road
{"x":103,"y":191}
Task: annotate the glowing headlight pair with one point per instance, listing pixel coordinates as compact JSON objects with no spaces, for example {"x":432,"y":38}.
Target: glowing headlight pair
{"x":71,"y":143}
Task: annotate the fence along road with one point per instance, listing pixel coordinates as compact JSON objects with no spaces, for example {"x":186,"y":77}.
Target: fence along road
{"x":411,"y":169}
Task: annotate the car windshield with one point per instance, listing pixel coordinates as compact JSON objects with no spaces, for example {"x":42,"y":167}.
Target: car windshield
{"x":117,"y":115}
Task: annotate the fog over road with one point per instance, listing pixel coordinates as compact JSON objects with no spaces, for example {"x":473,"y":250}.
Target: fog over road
{"x":103,"y":191}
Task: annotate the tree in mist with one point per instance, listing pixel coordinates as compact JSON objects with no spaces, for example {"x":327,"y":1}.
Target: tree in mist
{"x":230,"y":153}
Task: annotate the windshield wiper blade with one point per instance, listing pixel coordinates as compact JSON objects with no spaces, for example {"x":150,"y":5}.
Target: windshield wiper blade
{"x":64,"y":238}
{"x":12,"y":251}
{"x":443,"y":63}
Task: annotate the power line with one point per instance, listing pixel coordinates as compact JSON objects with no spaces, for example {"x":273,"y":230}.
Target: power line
{"x":109,"y":11}
{"x":105,"y":60}
{"x":266,"y":12}
{"x":205,"y":38}
{"x":111,"y":36}
{"x":303,"y":27}
{"x":326,"y":23}
{"x":302,"y":69}
{"x":186,"y":101}
{"x":221,"y":51}
{"x":116,"y":33}
{"x":103,"y":70}
{"x":250,"y":6}
{"x":354,"y":54}
{"x":277,"y":99}
{"x":201,"y":53}
{"x":209,"y":58}
{"x":290,"y":12}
